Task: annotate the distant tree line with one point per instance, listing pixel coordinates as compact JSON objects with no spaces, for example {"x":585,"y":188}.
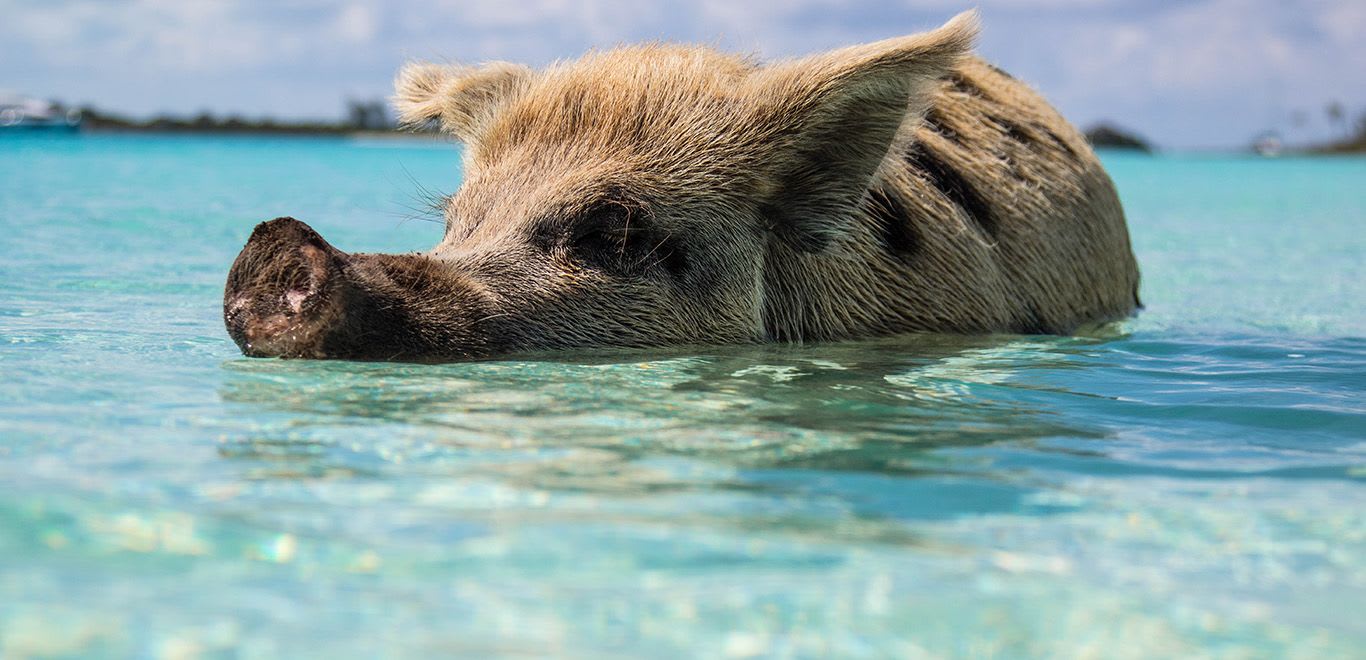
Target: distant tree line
{"x":373,"y":115}
{"x":1353,"y":136}
{"x":360,"y":115}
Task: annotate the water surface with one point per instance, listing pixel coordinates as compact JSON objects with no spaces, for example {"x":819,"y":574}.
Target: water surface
{"x":1191,"y":481}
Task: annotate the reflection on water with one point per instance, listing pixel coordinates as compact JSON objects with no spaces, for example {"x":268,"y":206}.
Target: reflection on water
{"x":608,"y":421}
{"x":842,"y":441}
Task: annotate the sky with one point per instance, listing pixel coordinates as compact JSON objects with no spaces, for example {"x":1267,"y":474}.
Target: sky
{"x":1183,"y":73}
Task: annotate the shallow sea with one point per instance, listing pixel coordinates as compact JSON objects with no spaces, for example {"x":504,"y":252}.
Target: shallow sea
{"x":1192,"y":482}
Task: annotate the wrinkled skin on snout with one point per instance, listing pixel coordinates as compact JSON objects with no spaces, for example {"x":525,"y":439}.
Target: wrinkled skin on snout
{"x":667,"y":195}
{"x":291,"y":294}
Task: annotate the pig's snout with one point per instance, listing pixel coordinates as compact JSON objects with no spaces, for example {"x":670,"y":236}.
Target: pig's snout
{"x":284,"y":292}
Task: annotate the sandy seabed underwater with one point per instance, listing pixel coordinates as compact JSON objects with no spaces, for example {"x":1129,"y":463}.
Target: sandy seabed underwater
{"x":1192,"y":482}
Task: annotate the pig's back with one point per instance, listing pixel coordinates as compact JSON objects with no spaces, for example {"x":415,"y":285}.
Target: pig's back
{"x":1011,"y":224}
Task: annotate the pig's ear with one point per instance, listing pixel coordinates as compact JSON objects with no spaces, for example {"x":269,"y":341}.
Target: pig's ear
{"x":833,"y":117}
{"x":462,"y":99}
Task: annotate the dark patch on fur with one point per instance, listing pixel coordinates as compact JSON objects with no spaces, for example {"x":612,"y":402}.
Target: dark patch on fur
{"x":1012,"y":130}
{"x":960,"y":83}
{"x":934,"y":121}
{"x":952,"y":185}
{"x":895,"y":228}
{"x":1057,"y":139}
{"x":1000,"y":71}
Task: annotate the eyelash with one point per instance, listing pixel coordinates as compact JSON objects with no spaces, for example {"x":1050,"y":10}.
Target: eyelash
{"x":600,"y":238}
{"x":618,"y":246}
{"x":602,"y":234}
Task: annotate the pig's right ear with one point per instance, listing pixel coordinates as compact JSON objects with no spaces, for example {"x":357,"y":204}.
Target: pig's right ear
{"x":830,"y":120}
{"x":462,"y":99}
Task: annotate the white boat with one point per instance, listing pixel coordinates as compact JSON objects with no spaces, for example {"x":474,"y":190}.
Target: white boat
{"x":1268,"y":144}
{"x":19,"y":112}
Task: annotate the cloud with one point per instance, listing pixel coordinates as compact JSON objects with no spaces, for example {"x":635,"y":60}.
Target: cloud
{"x":1207,"y":72}
{"x":1191,"y":72}
{"x":356,"y":23}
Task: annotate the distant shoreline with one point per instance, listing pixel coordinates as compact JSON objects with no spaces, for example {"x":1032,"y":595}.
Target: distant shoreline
{"x":394,"y":134}
{"x":1352,"y":146}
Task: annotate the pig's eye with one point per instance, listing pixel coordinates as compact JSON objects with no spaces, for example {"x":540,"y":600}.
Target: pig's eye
{"x":619,"y":241}
{"x":601,"y":231}
{"x":596,"y":242}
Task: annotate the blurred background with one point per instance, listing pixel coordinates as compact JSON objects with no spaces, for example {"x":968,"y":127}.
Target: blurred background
{"x":1198,"y":74}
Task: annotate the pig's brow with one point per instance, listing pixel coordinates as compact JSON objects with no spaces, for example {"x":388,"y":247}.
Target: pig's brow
{"x":571,"y":215}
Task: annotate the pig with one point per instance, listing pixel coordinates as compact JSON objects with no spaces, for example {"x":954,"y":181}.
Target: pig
{"x":665,"y":195}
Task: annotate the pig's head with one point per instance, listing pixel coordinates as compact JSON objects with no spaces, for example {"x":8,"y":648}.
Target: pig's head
{"x":630,"y":198}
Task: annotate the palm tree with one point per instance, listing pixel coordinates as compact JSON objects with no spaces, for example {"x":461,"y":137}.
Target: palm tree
{"x":1337,"y":115}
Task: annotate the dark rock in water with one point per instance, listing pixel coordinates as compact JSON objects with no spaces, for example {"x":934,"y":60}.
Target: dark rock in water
{"x":1109,"y":136}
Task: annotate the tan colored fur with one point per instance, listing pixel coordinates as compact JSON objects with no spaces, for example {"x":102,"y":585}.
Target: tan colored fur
{"x":800,"y":190}
{"x":1060,"y":259}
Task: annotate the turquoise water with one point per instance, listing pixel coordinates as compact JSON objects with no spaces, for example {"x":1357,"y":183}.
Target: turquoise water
{"x":1193,"y":481}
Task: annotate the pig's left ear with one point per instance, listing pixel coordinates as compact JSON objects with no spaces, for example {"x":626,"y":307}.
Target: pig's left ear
{"x":463,"y":99}
{"x":833,"y":117}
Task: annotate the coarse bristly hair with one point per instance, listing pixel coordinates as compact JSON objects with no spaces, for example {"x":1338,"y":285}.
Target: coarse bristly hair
{"x":664,"y":194}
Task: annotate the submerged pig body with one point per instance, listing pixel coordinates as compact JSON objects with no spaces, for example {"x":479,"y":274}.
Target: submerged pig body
{"x":665,"y":195}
